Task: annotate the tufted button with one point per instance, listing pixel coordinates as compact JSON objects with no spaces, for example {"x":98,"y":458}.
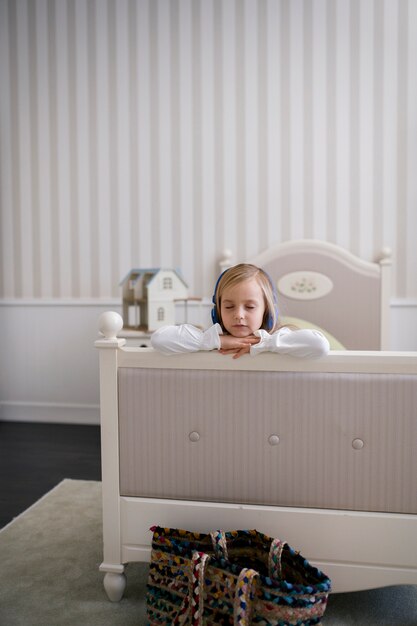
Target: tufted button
{"x":194,"y":436}
{"x":357,"y":444}
{"x":273,"y":440}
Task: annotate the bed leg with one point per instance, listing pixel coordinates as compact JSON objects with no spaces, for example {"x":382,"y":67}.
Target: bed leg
{"x":114,"y":585}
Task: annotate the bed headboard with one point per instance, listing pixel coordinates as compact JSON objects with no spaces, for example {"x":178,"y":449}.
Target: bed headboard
{"x":330,"y":287}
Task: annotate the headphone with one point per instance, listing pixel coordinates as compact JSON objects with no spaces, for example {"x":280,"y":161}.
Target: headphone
{"x":214,"y":315}
{"x":269,"y":320}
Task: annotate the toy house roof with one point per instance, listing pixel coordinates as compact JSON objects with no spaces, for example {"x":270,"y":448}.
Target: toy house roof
{"x":154,"y":271}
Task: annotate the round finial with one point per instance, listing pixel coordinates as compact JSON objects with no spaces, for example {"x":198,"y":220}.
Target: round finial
{"x":110,"y":323}
{"x":226,"y":261}
{"x":385,"y":256}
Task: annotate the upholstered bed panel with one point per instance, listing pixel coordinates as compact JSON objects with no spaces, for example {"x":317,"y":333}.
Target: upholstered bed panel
{"x":340,"y":441}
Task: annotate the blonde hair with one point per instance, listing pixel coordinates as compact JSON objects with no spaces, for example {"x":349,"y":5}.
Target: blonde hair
{"x":240,"y":273}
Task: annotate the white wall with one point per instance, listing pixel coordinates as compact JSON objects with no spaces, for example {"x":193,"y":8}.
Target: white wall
{"x":49,"y":365}
{"x":144,"y":133}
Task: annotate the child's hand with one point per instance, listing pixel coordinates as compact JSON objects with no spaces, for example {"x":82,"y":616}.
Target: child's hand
{"x":237,"y":345}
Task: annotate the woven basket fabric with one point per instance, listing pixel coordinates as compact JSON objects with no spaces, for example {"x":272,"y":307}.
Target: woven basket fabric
{"x":300,"y":597}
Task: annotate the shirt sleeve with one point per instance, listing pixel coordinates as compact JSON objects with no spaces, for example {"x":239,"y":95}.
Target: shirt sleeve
{"x":185,"y":338}
{"x":303,"y":343}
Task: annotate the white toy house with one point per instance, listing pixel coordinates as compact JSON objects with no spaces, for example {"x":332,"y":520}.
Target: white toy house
{"x":149,"y":297}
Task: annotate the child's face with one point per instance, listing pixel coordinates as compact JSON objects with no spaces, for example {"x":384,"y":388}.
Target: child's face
{"x":242,"y":308}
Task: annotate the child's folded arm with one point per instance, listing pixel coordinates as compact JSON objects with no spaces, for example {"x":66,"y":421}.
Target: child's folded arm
{"x":301,"y":343}
{"x":185,"y":338}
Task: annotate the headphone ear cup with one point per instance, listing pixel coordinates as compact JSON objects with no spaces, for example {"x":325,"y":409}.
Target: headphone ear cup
{"x":214,"y":316}
{"x":269,"y":322}
{"x":270,"y":319}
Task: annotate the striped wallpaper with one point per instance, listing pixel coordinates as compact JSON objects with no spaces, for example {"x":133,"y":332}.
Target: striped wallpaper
{"x":160,"y":132}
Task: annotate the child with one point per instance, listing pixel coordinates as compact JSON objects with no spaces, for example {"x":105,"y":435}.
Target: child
{"x":245,"y":320}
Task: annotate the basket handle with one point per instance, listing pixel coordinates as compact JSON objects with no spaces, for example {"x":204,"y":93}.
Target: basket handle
{"x":218,"y":539}
{"x":244,"y":592}
{"x":275,"y":559}
{"x":276,"y":549}
{"x":244,"y":595}
{"x":199,"y":564}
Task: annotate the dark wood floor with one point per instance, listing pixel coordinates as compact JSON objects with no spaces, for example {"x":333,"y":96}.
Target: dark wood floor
{"x":36,"y":457}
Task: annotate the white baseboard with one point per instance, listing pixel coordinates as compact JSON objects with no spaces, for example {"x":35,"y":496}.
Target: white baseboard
{"x":50,"y":413}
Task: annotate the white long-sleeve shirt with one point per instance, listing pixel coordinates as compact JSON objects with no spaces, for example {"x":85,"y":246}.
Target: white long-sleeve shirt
{"x":187,"y":338}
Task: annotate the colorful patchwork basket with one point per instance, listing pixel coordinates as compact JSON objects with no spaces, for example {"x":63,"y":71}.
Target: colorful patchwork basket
{"x":238,"y":578}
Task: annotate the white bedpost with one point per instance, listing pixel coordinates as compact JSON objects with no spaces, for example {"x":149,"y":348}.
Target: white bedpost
{"x":226,"y":261}
{"x":385,"y":262}
{"x":110,"y":323}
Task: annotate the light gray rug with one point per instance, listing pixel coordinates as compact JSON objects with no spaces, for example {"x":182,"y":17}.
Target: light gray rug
{"x":49,"y":558}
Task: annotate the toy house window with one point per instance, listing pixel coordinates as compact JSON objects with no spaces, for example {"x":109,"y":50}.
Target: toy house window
{"x":161,"y":314}
{"x":167,"y":283}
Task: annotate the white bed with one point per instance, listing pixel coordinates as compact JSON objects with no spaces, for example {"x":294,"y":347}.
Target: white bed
{"x":326,"y":461}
